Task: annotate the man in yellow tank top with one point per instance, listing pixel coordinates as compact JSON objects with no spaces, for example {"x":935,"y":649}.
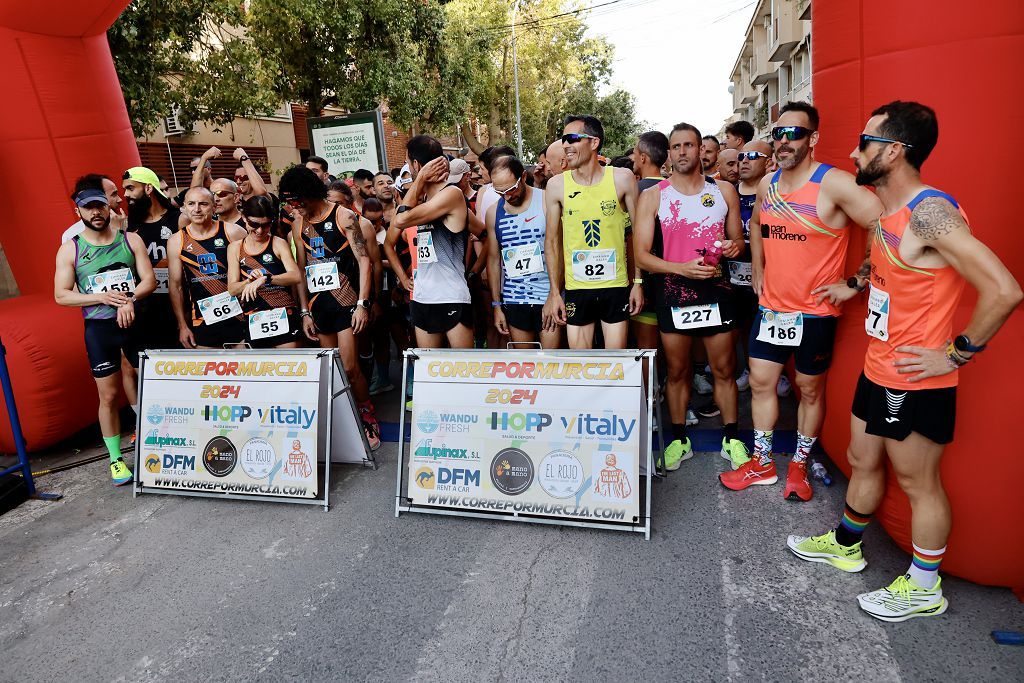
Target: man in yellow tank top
{"x":588,"y":211}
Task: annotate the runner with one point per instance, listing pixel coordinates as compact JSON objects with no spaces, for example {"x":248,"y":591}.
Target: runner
{"x":384,"y":191}
{"x":362,"y":183}
{"x":752,"y":168}
{"x":729,"y":166}
{"x":318,"y":165}
{"x":588,"y":210}
{"x":738,"y":134}
{"x":649,"y":154}
{"x":103,"y":271}
{"x":441,"y":307}
{"x":710,"y":147}
{"x":540,"y":171}
{"x":95,"y":181}
{"x":383,"y":312}
{"x":335,"y":293}
{"x":799,"y":232}
{"x":225,"y":201}
{"x":698,"y":220}
{"x":261,"y":273}
{"x":555,"y":162}
{"x":247,"y":176}
{"x":515,"y":229}
{"x":197,"y":256}
{"x":152,"y":217}
{"x":905,"y":403}
{"x":201,"y":178}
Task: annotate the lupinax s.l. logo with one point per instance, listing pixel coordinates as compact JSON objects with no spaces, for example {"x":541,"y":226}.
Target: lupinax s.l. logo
{"x":428,"y":422}
{"x":425,"y":478}
{"x":592,"y":233}
{"x":153,"y":463}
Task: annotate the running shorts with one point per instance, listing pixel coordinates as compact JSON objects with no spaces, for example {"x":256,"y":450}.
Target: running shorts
{"x":587,"y":306}
{"x":104,"y":343}
{"x":440,"y":318}
{"x":893,"y":414}
{"x":813,"y":355}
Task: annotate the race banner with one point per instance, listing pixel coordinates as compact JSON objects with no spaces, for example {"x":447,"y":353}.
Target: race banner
{"x":230,"y":422}
{"x":529,"y":433}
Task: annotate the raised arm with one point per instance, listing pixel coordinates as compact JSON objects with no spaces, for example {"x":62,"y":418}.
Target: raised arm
{"x":255,"y":180}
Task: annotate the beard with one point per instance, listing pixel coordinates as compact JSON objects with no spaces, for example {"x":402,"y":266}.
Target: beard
{"x":871,"y":174}
{"x":92,"y":226}
{"x":684,"y":167}
{"x":797,"y":155}
{"x":138,"y":209}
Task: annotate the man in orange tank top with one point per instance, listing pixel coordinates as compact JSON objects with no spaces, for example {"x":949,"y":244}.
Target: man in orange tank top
{"x":905,"y":405}
{"x":799,"y":232}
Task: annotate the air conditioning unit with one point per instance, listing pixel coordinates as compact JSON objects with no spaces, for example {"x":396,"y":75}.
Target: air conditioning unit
{"x":172,"y":125}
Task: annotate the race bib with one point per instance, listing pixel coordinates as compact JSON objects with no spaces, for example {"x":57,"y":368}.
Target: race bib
{"x":781,"y":329}
{"x":522,"y":260}
{"x":162,"y":279}
{"x":593,"y":265}
{"x":425,"y":248}
{"x":876,"y":324}
{"x":690,"y":317}
{"x":219,"y":308}
{"x":741,"y":273}
{"x":272,"y":323}
{"x":120,"y":280}
{"x":322,"y":277}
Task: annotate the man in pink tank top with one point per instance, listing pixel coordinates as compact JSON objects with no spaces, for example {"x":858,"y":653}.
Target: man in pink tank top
{"x":799,"y":232}
{"x":905,"y":403}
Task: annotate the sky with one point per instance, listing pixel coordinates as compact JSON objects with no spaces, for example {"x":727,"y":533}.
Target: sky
{"x":675,"y":56}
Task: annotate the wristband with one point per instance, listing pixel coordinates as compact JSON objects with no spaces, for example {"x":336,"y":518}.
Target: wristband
{"x":402,"y":208}
{"x":244,"y":158}
{"x":854,"y":283}
{"x":638,"y":281}
{"x":305,"y":314}
{"x":497,"y":304}
{"x":954,"y":357}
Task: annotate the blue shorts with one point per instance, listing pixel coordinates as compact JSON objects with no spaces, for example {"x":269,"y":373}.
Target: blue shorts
{"x":813,"y":355}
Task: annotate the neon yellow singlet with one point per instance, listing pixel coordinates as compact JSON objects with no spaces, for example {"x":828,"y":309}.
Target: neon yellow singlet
{"x":593,"y":234}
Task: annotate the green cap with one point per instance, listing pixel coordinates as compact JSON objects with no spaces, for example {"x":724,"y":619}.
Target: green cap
{"x":144,"y":175}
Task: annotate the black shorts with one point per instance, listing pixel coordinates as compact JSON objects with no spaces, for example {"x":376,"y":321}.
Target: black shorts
{"x":525,"y":317}
{"x":893,"y":414}
{"x":294,"y":333}
{"x":155,"y":325}
{"x":440,"y":318}
{"x":329,"y":316}
{"x":104,"y":343}
{"x":231,"y":331}
{"x":587,"y":306}
{"x":726,"y":310}
{"x":813,"y":355}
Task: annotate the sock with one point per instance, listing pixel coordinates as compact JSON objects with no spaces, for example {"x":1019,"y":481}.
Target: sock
{"x":679,"y":432}
{"x":731,"y":431}
{"x":113,"y":444}
{"x":366,"y":365}
{"x":135,"y":408}
{"x":851,"y":527}
{"x":924,"y":569}
{"x":383,"y":374}
{"x":804,"y":444}
{"x":763,"y":446}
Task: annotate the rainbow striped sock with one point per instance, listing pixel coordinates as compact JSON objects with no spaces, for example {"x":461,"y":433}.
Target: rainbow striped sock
{"x":924,"y":569}
{"x":851,"y":527}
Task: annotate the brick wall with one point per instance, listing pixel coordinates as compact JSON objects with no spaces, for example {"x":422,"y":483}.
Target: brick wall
{"x":155,"y":157}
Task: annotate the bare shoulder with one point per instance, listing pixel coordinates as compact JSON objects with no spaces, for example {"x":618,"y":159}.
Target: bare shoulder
{"x":553,"y":191}
{"x":234,"y":248}
{"x":624,"y":177}
{"x":235,"y":232}
{"x":66,"y":252}
{"x":727,"y":189}
{"x":935,"y":217}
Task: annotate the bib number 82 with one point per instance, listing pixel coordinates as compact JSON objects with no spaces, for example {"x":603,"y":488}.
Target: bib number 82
{"x":594,"y":269}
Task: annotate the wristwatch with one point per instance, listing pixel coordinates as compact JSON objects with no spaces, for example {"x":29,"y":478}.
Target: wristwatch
{"x":244,"y":158}
{"x":854,"y":283}
{"x":402,"y":208}
{"x":963,"y":343}
{"x":364,"y":303}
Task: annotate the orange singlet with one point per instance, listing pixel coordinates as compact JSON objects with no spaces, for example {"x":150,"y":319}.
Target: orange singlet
{"x":800,"y":251}
{"x":907,"y":305}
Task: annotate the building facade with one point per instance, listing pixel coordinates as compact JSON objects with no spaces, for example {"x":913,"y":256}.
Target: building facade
{"x":774,"y":64}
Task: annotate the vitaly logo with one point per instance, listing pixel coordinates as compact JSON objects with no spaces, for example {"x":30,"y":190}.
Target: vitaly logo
{"x":707,"y":200}
{"x":592,"y":233}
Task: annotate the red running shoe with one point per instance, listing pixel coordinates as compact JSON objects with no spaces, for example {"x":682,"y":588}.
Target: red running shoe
{"x":797,"y":485}
{"x":751,"y":473}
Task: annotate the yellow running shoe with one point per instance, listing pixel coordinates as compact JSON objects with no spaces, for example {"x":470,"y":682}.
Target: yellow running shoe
{"x":735,"y":451}
{"x":120,"y":473}
{"x":676,"y":452}
{"x":826,"y":549}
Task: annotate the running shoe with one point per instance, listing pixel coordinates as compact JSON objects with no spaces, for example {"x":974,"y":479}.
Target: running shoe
{"x":702,"y":385}
{"x":743,"y":381}
{"x":676,"y":452}
{"x":691,"y":418}
{"x":735,"y":451}
{"x":798,"y":487}
{"x":783,"y":388}
{"x":903,"y":599}
{"x":380,"y":386}
{"x":371,"y":427}
{"x":708,"y":411}
{"x":408,"y":405}
{"x":827,"y":549}
{"x":120,"y":473}
{"x":751,"y":473}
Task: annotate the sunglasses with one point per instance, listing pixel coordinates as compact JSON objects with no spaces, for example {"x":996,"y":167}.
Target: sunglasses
{"x":790,"y":132}
{"x":502,"y":193}
{"x":866,"y":140}
{"x":751,"y":156}
{"x":259,"y":226}
{"x":571,"y":138}
{"x":224,"y":194}
{"x":241,"y":177}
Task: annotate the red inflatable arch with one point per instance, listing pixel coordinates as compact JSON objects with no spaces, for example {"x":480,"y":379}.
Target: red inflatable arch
{"x":866,"y":53}
{"x":63,"y":116}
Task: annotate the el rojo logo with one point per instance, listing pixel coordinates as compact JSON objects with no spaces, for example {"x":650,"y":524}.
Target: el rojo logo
{"x":511,"y":471}
{"x":220,"y":456}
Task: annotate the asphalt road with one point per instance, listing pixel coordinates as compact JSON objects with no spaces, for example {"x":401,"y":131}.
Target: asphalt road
{"x":104,"y":587}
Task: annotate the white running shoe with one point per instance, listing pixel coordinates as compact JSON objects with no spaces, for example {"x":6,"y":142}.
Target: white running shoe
{"x":743,"y":381}
{"x":784,"y":388}
{"x":702,"y":385}
{"x":903,"y":599}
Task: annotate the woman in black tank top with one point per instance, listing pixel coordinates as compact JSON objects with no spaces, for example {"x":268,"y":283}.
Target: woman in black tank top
{"x":261,"y":273}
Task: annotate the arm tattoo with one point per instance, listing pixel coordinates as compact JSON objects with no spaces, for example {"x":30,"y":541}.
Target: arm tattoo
{"x":933,"y":218}
{"x":356,"y":238}
{"x":864,"y":272}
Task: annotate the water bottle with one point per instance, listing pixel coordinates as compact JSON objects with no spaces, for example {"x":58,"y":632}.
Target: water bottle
{"x":713,"y":254}
{"x":819,"y":472}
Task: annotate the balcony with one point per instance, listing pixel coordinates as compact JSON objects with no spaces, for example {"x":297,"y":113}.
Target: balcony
{"x":763,"y":71}
{"x":803,"y":10}
{"x":785,"y":33}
